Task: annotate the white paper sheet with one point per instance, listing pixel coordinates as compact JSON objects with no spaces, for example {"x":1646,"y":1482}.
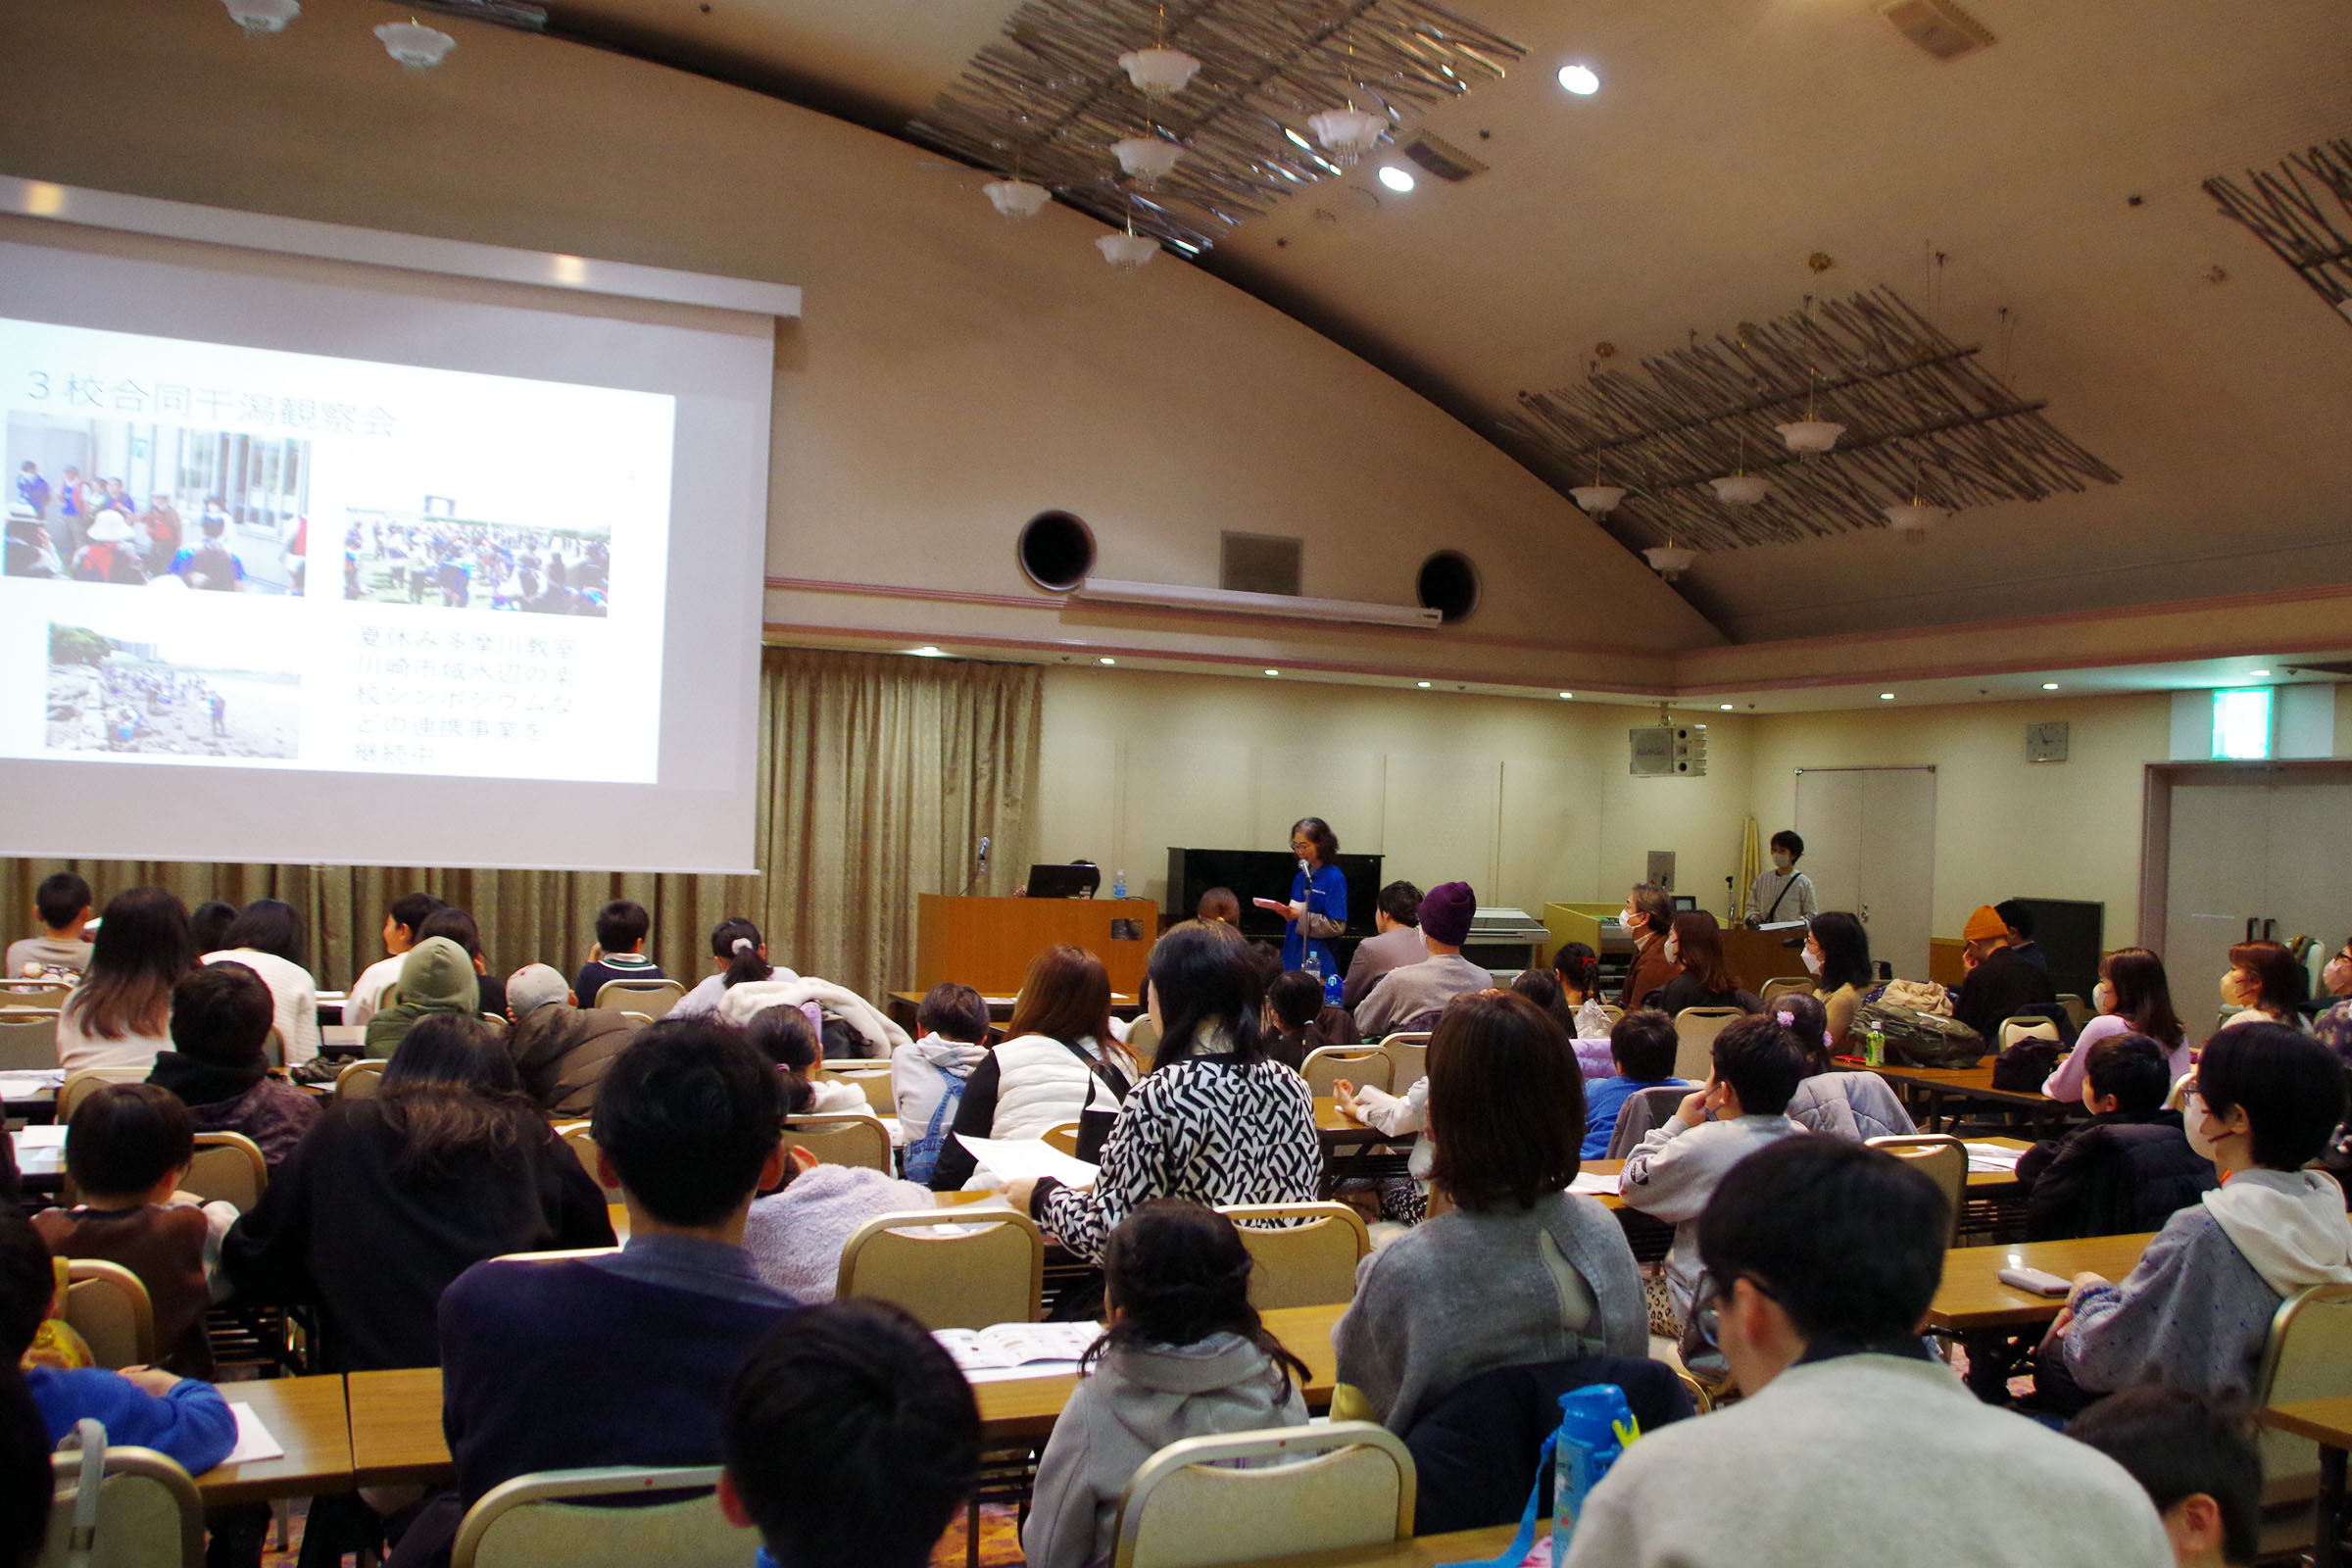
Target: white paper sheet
{"x":1004,"y":1351}
{"x":1592,"y":1184}
{"x":1010,"y":1159}
{"x":40,"y":1150}
{"x":30,"y":1085}
{"x":1992,"y":1158}
{"x":255,"y":1440}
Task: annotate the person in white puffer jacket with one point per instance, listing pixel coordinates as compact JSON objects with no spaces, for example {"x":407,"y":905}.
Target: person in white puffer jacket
{"x":927,"y":1077}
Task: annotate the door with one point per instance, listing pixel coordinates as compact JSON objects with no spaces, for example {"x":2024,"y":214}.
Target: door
{"x":1869,"y":848}
{"x":2269,"y":856}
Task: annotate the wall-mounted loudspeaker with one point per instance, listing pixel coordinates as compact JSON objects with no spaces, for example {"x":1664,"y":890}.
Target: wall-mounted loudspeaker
{"x":1056,"y":551}
{"x":1448,"y":585}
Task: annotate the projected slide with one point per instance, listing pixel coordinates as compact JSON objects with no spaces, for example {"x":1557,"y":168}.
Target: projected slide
{"x":242,"y":558}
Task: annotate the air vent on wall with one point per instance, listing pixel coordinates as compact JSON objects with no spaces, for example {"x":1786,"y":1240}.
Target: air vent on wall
{"x":1939,"y":26}
{"x":1443,"y":158}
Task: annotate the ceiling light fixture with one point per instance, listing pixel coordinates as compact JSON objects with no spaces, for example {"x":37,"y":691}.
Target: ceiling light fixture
{"x":1347,"y":133}
{"x":2258,"y":674}
{"x":1147,"y":158}
{"x":2049,"y":685}
{"x":413,"y":44}
{"x":1015,"y":198}
{"x":1581,"y":80}
{"x":1424,"y":685}
{"x":261,"y":18}
{"x":1725,"y":706}
{"x":1670,"y":559}
{"x":1811,"y":433}
{"x":1740,"y":488}
{"x":1567,"y":697}
{"x":1160,"y":72}
{"x":1127,"y":251}
{"x":927,"y":651}
{"x":1273,"y":672}
{"x":1886,"y":697}
{"x":1397,"y":179}
{"x":1105,"y":661}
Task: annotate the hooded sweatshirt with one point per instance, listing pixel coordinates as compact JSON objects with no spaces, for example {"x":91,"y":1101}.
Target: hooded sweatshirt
{"x":796,"y":1236}
{"x":1139,"y":1399}
{"x":435,"y":976}
{"x":926,"y":1081}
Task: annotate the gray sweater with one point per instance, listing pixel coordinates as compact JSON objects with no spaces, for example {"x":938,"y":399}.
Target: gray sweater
{"x":1471,"y":1290}
{"x":1415,"y":995}
{"x":1676,"y":1170}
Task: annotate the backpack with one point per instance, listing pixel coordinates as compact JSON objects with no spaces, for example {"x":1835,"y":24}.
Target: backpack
{"x":1916,"y":1039}
{"x":2027,"y":1066}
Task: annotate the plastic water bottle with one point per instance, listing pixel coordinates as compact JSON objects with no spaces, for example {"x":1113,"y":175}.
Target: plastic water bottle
{"x":1118,"y":884}
{"x":1873,"y":1044}
{"x":1595,"y":1425}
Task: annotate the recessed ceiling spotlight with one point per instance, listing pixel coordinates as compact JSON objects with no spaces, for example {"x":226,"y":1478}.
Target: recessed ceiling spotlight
{"x":1397,"y":179}
{"x":1582,"y":80}
{"x":926,"y":652}
{"x":1424,"y":685}
{"x":1273,"y":672}
{"x":1105,"y":661}
{"x":1886,"y":697}
{"x":1567,"y":696}
{"x":2258,"y":674}
{"x":2049,"y":685}
{"x":1725,"y":706}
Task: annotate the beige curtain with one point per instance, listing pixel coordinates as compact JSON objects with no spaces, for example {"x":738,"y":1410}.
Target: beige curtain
{"x":878,"y":776}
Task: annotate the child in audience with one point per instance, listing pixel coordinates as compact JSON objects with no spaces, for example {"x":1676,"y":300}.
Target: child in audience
{"x":742,"y":954}
{"x":1186,"y":1356}
{"x":2194,"y":1311}
{"x":2197,"y":1462}
{"x":786,"y":1037}
{"x":126,"y":1149}
{"x":267,"y":936}
{"x":1219,"y":904}
{"x":2131,"y":1167}
{"x":1297,"y":1021}
{"x":1739,"y":1109}
{"x":436,"y":979}
{"x":62,"y":903}
{"x":220,"y":1017}
{"x":794,"y":1234}
{"x":184,"y":1417}
{"x":851,"y":1439}
{"x":210,"y":922}
{"x":121,"y":1014}
{"x":1642,"y":1047}
{"x":401,"y":925}
{"x":490,"y":989}
{"x":927,"y":1076}
{"x":1578,"y":971}
{"x":621,"y":932}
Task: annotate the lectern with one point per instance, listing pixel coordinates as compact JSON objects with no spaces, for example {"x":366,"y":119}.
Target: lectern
{"x":988,"y":943}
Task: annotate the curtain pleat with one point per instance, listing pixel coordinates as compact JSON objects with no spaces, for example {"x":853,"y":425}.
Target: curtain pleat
{"x":878,"y":775}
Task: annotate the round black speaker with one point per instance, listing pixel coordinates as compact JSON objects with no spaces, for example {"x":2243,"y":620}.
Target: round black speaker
{"x":1056,"y":551}
{"x":1448,"y":585}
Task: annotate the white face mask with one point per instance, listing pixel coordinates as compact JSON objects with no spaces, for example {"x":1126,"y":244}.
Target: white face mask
{"x":2102,"y":997}
{"x":1782,"y":859}
{"x":2233,"y":994}
{"x":1674,"y":951}
{"x":1812,"y":961}
{"x":2193,"y":1116}
{"x":2338,"y":976}
{"x":1626,"y":919}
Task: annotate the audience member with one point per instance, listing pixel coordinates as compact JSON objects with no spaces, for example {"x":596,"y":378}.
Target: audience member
{"x":2131,"y":1167}
{"x":1855,"y":1105}
{"x":2264,"y":984}
{"x":687,"y":1126}
{"x":1782,"y":894}
{"x":221,"y":1021}
{"x":1554,"y":1278}
{"x":1642,"y":1047}
{"x":1543,"y":987}
{"x":621,"y":927}
{"x":1298,"y":1021}
{"x":1394,"y":943}
{"x":2333,"y":1025}
{"x":2000,"y":983}
{"x":1832,"y":1251}
{"x":2193,"y":1311}
{"x":1577,"y":968}
{"x":2197,"y":1462}
{"x":795,"y":1235}
{"x":267,"y":936}
{"x":927,"y":1075}
{"x":851,"y":1439}
{"x":1186,"y":1356}
{"x":1059,"y":1061}
{"x":2133,"y":998}
{"x":390,"y":1198}
{"x":1838,"y":956}
{"x":561,"y":1050}
{"x":208,"y":923}
{"x":786,"y":1038}
{"x":1412,"y":996}
{"x":2017,"y":919}
{"x":1219,"y":904}
{"x":1681,"y":1165}
{"x":436,"y":980}
{"x":121,"y":1014}
{"x":490,"y":992}
{"x":1647,"y":916}
{"x":401,"y":922}
{"x":62,"y":904}
{"x":1217,"y":1122}
{"x":741,"y":954}
{"x":1695,"y":942}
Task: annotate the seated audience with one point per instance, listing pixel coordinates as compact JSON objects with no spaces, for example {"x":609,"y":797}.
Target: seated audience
{"x":621,"y":927}
{"x":1059,"y":1061}
{"x":62,"y":905}
{"x":2131,"y":1167}
{"x":1647,"y":917}
{"x":851,"y":1439}
{"x":1297,"y":1021}
{"x":927,"y":1074}
{"x":436,"y":980}
{"x":267,"y":936}
{"x":390,"y":1198}
{"x":561,"y":1050}
{"x":1186,"y":1356}
{"x":182,"y":1417}
{"x":1853,"y":1106}
{"x":1695,"y":943}
{"x":786,"y":1037}
{"x":2133,"y":998}
{"x":1543,"y":987}
{"x":2194,"y":1311}
{"x":126,"y":1149}
{"x":2000,"y":983}
{"x":1554,"y":1280}
{"x":2333,"y":1025}
{"x":1642,"y":1047}
{"x":401,"y":922}
{"x":210,"y":921}
{"x":686,"y":1125}
{"x":1396,"y":942}
{"x":1833,"y":1252}
{"x":221,"y":1021}
{"x":740,"y":952}
{"x":2264,"y":984}
{"x":1216,"y":1120}
{"x":2198,"y":1464}
{"x":490,"y":992}
{"x":1577,"y":968}
{"x":2017,"y":919}
{"x":1680,"y":1165}
{"x":795,"y":1235}
{"x":1837,"y":956}
{"x":121,"y":1014}
{"x":1219,"y":904}
{"x":1412,"y":996}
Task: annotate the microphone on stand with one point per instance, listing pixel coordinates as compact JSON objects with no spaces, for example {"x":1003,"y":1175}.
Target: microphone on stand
{"x":979,"y":870}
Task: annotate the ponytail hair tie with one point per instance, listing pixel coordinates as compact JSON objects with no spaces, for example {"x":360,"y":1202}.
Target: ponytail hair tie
{"x":742,"y":945}
{"x":1787,"y":1019}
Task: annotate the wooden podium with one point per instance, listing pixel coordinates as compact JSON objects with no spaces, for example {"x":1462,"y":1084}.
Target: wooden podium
{"x":1756,"y":956}
{"x":986,"y":943}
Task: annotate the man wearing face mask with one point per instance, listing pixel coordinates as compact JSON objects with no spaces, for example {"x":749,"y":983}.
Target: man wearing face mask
{"x":2000,"y":982}
{"x":1783,"y":893}
{"x":1648,"y":917}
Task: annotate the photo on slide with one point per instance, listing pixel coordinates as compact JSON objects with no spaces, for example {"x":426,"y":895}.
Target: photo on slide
{"x":167,"y":699}
{"x":134,"y":502}
{"x":438,"y":557}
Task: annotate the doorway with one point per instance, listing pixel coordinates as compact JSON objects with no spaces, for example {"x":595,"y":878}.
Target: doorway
{"x":1870,"y":847}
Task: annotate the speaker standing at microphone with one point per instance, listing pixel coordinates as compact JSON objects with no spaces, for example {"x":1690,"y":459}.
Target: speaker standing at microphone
{"x":1318,"y":904}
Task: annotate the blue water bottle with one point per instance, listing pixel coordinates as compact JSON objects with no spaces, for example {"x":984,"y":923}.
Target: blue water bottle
{"x":1118,"y":884}
{"x":1595,"y":1425}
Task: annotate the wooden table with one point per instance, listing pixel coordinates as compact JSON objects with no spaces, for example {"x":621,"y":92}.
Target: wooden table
{"x":1999,"y":1324}
{"x":396,"y":1427}
{"x":2328,"y":1423}
{"x":1421,"y":1551}
{"x":1347,"y":1146}
{"x":309,"y":1419}
{"x":1938,"y":1093}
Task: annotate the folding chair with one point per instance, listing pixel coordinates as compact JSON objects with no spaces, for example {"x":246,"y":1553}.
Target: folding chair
{"x":1346,"y":1485}
{"x":653,"y":998}
{"x":28,"y":1038}
{"x":2306,"y":1355}
{"x":120,"y":1506}
{"x":1358,"y":1065}
{"x":107,"y":1305}
{"x":952,"y":1268}
{"x":1300,"y":1264}
{"x":843,"y":1137}
{"x":551,"y":1518}
{"x":1694,"y":1032}
{"x":228,"y":1166}
{"x":1945,"y":1158}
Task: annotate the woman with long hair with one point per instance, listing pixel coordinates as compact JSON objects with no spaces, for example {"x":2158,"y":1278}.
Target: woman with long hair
{"x":267,"y":936}
{"x":1696,"y":942}
{"x":2135,"y":999}
{"x":1838,"y":954}
{"x":1059,"y":1061}
{"x":121,"y":1014}
{"x":391,"y":1197}
{"x":2264,"y":984}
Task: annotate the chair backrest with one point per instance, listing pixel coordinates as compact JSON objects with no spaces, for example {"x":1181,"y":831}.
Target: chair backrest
{"x":274,"y":1047}
{"x":1642,"y":1109}
{"x":147,"y":1513}
{"x":2028,"y":1027}
{"x":653,"y":998}
{"x":360,"y":1080}
{"x":872,"y":1081}
{"x":1694,"y":1032}
{"x":843,"y":1137}
{"x":543,"y":1520}
{"x":83,"y":1085}
{"x":2307,"y":1355}
{"x":2077,"y":1011}
{"x":1300,"y":1264}
{"x":1613,"y":1013}
{"x":496,"y":1023}
{"x":1943,"y":1157}
{"x":1408,"y":1058}
{"x":1063,"y":1135}
{"x":576,"y":1138}
{"x":1358,"y":1065}
{"x":228,"y":1166}
{"x":46,"y":994}
{"x":28,"y":1038}
{"x":1785,"y":985}
{"x":1350,"y":1484}
{"x":952,"y":1268}
{"x":107,"y":1305}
